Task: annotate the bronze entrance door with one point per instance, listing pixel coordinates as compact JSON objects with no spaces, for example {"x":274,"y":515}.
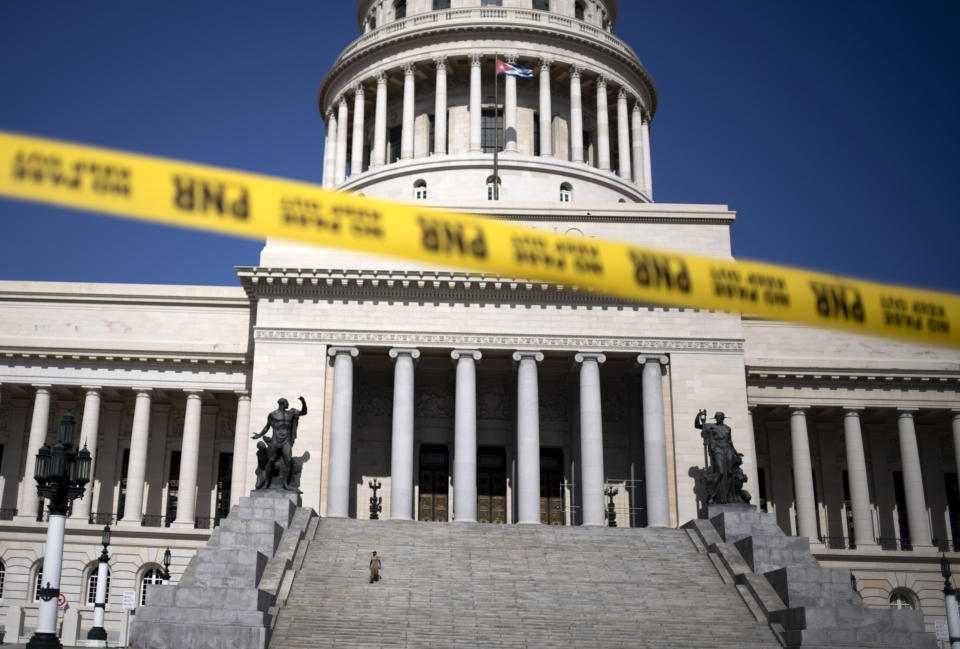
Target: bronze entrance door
{"x":491,"y":485}
{"x":434,"y":469}
{"x":551,"y":486}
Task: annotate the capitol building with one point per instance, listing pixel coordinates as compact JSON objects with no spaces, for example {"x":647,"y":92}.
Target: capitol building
{"x":468,"y":396}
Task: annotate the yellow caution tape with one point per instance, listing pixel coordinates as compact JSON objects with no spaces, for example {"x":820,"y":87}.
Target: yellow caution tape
{"x":256,"y":206}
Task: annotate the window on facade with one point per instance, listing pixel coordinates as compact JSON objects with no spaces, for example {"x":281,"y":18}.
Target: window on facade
{"x":566,"y":193}
{"x":122,"y":499}
{"x":400,"y":9}
{"x":173,"y":487}
{"x":536,"y":133}
{"x":490,"y":122}
{"x":150,"y":577}
{"x":902,"y":599}
{"x":579,"y":10}
{"x":441,"y":4}
{"x":3,"y":574}
{"x":420,"y":190}
{"x":541,"y":5}
{"x":224,"y":485}
{"x":396,"y":133}
{"x":491,"y":3}
{"x":92,"y":580}
{"x":491,"y":195}
{"x":37,"y":582}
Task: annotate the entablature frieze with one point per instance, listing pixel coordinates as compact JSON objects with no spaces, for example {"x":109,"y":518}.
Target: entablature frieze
{"x":509,"y":342}
{"x":124,"y":357}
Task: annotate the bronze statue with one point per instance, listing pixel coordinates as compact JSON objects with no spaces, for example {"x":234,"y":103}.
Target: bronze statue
{"x":276,"y":466}
{"x":723,"y":477}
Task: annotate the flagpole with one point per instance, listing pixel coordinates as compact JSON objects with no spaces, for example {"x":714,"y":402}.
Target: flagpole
{"x":496,"y":127}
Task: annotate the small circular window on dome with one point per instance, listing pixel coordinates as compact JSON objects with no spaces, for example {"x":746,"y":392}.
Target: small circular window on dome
{"x":903,"y":599}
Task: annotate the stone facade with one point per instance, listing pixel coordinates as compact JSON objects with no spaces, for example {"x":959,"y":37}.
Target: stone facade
{"x":859,"y":429}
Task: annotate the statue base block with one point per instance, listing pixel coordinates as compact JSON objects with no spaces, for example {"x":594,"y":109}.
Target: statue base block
{"x":228,"y":596}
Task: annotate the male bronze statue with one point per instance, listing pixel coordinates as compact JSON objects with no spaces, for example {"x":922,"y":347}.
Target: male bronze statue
{"x":278,"y":449}
{"x":723,"y":477}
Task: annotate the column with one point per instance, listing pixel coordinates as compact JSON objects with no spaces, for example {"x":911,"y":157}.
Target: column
{"x":401,"y":448}
{"x":591,"y":438}
{"x":465,"y":436}
{"x":636,"y":125}
{"x":857,"y":480}
{"x":241,"y":445}
{"x":380,"y":123}
{"x":356,"y":160}
{"x":528,"y":437}
{"x":406,"y":133}
{"x":576,"y":116}
{"x":189,"y":461}
{"x":803,"y":475}
{"x":89,"y":435}
{"x":956,"y":438}
{"x":329,"y":149}
{"x":29,"y":498}
{"x":340,"y":169}
{"x":655,"y":441}
{"x":137,"y":465}
{"x":913,"y":480}
{"x":440,"y":108}
{"x":647,"y":176}
{"x":476,"y":142}
{"x":603,"y":126}
{"x":341,"y":427}
{"x":623,"y":135}
{"x":510,"y":109}
{"x":546,"y":110}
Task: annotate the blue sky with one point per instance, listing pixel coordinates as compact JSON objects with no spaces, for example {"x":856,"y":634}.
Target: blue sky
{"x":830,"y":127}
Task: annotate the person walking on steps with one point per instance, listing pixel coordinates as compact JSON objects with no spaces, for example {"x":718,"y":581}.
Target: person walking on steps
{"x":374,"y":567}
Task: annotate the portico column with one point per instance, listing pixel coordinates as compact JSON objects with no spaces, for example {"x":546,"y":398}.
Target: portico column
{"x":647,"y":175}
{"x":241,"y":444}
{"x":476,"y":143}
{"x":623,"y":135}
{"x":340,"y":171}
{"x":406,"y":132}
{"x":440,"y":107}
{"x":956,"y":438}
{"x":803,"y":475}
{"x":29,"y":498}
{"x":510,"y":108}
{"x":636,"y":124}
{"x":465,"y":436}
{"x":857,"y":479}
{"x":401,"y":448}
{"x":89,"y":435}
{"x":603,"y":126}
{"x":528,"y":437}
{"x":913,"y":480}
{"x":576,"y":115}
{"x":330,"y":149}
{"x":380,"y":123}
{"x":341,"y":427}
{"x":546,"y":110}
{"x":356,"y":160}
{"x":655,"y":441}
{"x":189,"y":461}
{"x":137,"y":464}
{"x":591,"y":438}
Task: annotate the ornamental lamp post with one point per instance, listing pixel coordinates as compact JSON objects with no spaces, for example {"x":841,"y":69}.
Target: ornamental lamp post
{"x":950,"y":599}
{"x":97,"y":636}
{"x":61,"y":474}
{"x":166,"y":568}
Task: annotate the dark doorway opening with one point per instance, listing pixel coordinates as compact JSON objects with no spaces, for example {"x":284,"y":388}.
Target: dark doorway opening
{"x":434,"y":473}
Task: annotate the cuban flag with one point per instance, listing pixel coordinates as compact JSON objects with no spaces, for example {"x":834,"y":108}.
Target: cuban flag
{"x":513,"y":70}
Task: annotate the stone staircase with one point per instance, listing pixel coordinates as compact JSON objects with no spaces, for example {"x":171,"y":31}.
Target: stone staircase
{"x":471,"y":585}
{"x":806,"y":604}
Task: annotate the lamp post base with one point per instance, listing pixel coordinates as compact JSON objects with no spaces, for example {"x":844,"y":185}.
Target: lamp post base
{"x":44,"y":641}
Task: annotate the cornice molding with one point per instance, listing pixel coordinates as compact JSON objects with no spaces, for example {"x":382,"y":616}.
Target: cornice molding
{"x":511,"y":342}
{"x":124,"y":357}
{"x":851,"y":378}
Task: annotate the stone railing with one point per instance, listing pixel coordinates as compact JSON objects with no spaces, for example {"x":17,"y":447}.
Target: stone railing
{"x":507,"y":15}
